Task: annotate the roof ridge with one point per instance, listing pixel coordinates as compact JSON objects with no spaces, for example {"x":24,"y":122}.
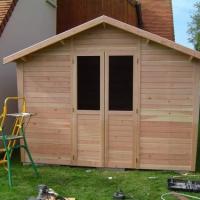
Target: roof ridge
{"x":92,"y":23}
{"x":7,"y":15}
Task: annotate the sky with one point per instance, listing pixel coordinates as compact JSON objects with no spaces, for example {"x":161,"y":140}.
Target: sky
{"x":182,"y":10}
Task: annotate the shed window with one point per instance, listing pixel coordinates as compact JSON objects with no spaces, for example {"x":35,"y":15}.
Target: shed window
{"x":88,"y":83}
{"x":121,"y":83}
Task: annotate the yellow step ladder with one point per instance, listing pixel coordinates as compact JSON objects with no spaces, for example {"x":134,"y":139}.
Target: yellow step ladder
{"x":13,"y":139}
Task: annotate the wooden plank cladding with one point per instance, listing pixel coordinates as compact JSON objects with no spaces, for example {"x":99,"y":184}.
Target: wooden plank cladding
{"x":89,"y":142}
{"x":121,"y":132}
{"x":157,"y":16}
{"x":6,"y":9}
{"x":81,"y":11}
{"x":158,"y":131}
{"x":47,"y":88}
{"x":99,"y":38}
{"x":167,"y":80}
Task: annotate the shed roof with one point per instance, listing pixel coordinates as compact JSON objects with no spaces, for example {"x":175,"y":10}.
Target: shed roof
{"x":99,"y":20}
{"x":6,"y":9}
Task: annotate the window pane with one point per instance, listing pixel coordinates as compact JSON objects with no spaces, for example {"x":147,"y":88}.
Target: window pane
{"x":88,"y":82}
{"x":121,"y":83}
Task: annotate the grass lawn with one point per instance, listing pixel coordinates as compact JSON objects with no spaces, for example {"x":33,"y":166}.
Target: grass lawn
{"x":84,"y":185}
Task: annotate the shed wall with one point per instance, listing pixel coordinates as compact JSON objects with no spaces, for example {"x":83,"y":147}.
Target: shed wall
{"x":167,"y":99}
{"x":47,"y":88}
{"x":168,"y":89}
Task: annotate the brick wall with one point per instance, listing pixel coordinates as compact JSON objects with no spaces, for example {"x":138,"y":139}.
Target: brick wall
{"x":158,"y":17}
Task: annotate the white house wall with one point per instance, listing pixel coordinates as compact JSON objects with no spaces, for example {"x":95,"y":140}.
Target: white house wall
{"x":31,"y":21}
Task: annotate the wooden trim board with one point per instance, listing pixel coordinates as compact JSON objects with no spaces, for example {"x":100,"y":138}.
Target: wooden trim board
{"x":20,"y":90}
{"x":138,"y":101}
{"x":93,"y":23}
{"x":196,"y":93}
{"x":108,"y":113}
{"x":78,"y":52}
{"x":70,"y":198}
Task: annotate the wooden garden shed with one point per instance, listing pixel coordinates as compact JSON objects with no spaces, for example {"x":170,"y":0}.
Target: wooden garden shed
{"x":108,"y":94}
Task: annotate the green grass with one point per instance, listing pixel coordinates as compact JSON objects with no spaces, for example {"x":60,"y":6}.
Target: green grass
{"x":83,"y":185}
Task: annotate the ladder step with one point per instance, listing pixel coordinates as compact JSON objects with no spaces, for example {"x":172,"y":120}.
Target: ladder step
{"x":3,"y":161}
{"x":2,"y":150}
{"x":22,"y":114}
{"x":12,"y":137}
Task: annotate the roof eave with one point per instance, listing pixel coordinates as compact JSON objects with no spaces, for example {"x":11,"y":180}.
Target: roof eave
{"x":53,"y":40}
{"x":93,"y":23}
{"x":7,"y":16}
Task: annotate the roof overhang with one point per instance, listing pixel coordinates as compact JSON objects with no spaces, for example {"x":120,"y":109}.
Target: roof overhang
{"x":97,"y":21}
{"x":6,"y":9}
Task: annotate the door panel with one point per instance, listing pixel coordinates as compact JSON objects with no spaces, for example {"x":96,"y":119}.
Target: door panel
{"x":119,"y":110}
{"x":89,"y":139}
{"x":120,"y":139}
{"x":105,"y":120}
{"x":88,"y":110}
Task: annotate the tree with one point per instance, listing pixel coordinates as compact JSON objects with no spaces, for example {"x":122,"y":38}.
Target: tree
{"x":194,"y":28}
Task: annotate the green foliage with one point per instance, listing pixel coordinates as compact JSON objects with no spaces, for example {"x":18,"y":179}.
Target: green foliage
{"x":194,"y":28}
{"x":84,"y":184}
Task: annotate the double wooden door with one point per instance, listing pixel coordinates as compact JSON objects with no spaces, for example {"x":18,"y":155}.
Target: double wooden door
{"x":105,"y":109}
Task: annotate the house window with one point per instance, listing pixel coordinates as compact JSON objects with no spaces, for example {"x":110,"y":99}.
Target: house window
{"x":121,"y":83}
{"x":88,"y":82}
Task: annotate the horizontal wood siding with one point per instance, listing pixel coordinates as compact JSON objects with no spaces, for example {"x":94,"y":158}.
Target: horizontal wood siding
{"x":89,"y":146}
{"x":167,"y":80}
{"x":105,"y":38}
{"x":47,"y":88}
{"x":121,"y":140}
